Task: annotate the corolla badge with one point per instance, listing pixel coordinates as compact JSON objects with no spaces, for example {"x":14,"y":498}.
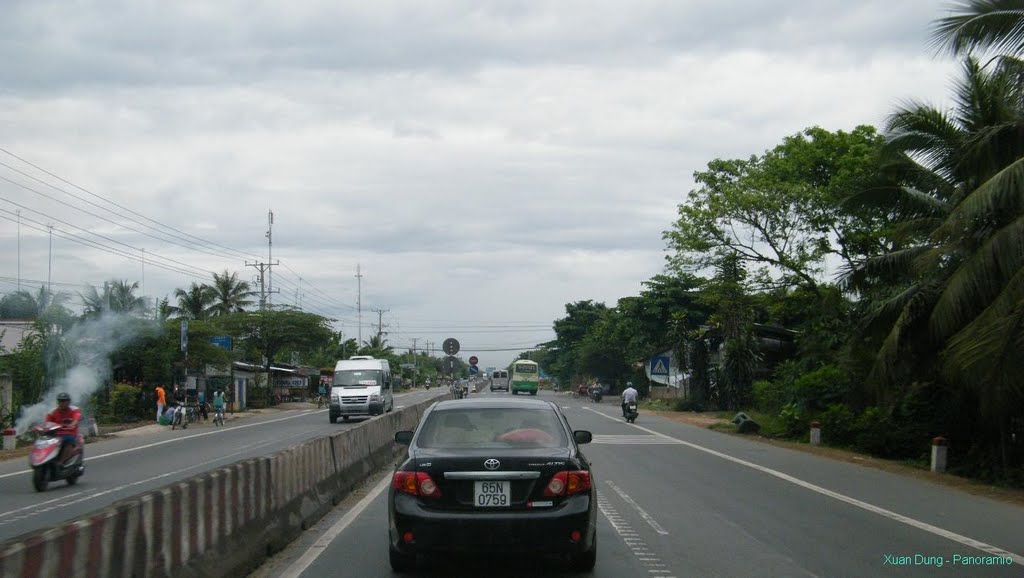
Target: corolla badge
{"x":492,"y":464}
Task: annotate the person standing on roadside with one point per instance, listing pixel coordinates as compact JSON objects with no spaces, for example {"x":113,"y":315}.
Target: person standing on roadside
{"x":161,"y":401}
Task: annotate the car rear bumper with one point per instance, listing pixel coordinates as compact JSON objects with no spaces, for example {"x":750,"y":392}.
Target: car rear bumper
{"x":541,"y":531}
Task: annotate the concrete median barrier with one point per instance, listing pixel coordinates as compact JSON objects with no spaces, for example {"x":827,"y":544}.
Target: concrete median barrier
{"x":221,"y":523}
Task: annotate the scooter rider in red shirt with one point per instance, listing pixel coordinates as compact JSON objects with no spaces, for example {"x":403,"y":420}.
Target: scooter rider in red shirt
{"x":68,"y":417}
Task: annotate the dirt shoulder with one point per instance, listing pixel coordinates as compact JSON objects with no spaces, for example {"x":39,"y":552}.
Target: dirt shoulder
{"x":1007,"y":495}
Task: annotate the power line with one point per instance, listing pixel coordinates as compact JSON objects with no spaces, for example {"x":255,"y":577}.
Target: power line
{"x":108,"y":201}
{"x":101,"y":217}
{"x":95,"y":245}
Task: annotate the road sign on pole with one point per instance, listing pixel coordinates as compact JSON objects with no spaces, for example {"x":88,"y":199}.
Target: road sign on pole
{"x":660,"y":365}
{"x":184,"y":335}
{"x":473,"y":360}
{"x":450,"y":346}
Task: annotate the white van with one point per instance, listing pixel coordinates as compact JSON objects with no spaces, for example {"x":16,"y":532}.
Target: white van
{"x":499,"y":379}
{"x":362,"y":386}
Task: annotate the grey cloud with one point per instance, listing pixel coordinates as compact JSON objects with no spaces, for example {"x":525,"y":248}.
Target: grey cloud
{"x":60,"y":45}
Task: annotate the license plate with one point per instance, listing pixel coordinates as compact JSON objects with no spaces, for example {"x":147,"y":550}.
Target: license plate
{"x":492,"y":494}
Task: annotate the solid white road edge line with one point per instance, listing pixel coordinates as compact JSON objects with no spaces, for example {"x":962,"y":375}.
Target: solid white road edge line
{"x":318,"y":547}
{"x":988,"y":548}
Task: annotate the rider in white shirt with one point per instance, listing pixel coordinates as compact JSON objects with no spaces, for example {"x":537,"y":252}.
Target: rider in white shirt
{"x":628,"y":395}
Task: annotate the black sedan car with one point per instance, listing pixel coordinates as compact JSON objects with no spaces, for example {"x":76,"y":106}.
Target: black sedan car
{"x":493,"y":476}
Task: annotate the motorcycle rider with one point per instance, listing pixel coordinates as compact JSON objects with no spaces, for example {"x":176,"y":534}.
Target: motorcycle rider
{"x":628,"y":395}
{"x":68,"y":417}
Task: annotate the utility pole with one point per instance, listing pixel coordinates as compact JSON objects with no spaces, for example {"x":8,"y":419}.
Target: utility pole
{"x":414,"y":340}
{"x":359,"y":302}
{"x":19,"y":249}
{"x":144,"y":279}
{"x":263,"y":268}
{"x":49,"y":269}
{"x":270,"y":256}
{"x":380,"y":322}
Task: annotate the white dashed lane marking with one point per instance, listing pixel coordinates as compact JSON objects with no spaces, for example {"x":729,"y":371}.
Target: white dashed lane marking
{"x":639,"y":548}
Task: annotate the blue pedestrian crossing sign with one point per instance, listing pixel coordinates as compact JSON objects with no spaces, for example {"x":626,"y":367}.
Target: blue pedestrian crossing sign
{"x":659,"y":365}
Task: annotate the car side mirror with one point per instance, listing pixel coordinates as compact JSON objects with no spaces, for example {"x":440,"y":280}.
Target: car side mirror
{"x":583,"y":436}
{"x":403,"y":437}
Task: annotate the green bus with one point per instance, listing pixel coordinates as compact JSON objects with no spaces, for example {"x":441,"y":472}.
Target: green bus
{"x":525,"y":376}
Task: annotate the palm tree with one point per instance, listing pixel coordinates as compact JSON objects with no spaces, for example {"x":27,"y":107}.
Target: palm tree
{"x":24,"y":305}
{"x":996,"y":25}
{"x":952,"y":287}
{"x":117,"y":296}
{"x":377,"y":346}
{"x":194,"y":303}
{"x":230,"y":294}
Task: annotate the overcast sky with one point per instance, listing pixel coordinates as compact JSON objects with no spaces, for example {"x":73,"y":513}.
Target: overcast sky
{"x":484,"y":163}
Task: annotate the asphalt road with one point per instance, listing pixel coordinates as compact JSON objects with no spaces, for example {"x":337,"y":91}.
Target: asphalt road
{"x":136,"y":463}
{"x":677,"y":500}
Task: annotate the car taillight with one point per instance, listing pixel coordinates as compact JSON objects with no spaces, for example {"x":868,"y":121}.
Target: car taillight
{"x":415,"y":484}
{"x":568,"y":483}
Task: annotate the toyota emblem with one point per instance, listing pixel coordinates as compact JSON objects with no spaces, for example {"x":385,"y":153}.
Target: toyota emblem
{"x":492,"y":464}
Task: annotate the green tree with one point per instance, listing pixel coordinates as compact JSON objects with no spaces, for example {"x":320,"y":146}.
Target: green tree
{"x":328,"y":353}
{"x":271,"y":331}
{"x":955,"y":287}
{"x":230,"y":294}
{"x":569,"y":334}
{"x":602,"y":351}
{"x":44,"y":306}
{"x":195,"y":303}
{"x":728,"y":296}
{"x":117,"y":296}
{"x":377,"y":346}
{"x":781,"y":211}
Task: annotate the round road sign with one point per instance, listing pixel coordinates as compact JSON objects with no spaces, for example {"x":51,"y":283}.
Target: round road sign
{"x":473,"y":360}
{"x":450,"y":346}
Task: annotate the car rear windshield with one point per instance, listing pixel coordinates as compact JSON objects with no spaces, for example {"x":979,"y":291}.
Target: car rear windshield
{"x":487,"y":428}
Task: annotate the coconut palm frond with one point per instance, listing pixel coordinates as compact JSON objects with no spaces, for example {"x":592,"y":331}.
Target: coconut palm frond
{"x":890,"y":266}
{"x":1003,"y":194}
{"x":979,"y":279}
{"x":883,"y":369}
{"x":986,"y":354}
{"x":913,"y":231}
{"x":996,"y":25}
{"x":905,"y":330}
{"x":996,"y":145}
{"x":924,"y":133}
{"x":906,"y":201}
{"x":885,"y":312}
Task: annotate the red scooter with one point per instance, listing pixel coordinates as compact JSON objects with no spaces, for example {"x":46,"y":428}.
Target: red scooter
{"x":46,"y":461}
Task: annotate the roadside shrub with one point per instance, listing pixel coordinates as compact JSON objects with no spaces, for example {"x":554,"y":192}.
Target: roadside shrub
{"x":874,"y":432}
{"x":837,"y":424}
{"x":815,"y":390}
{"x":124,"y":402}
{"x":794,"y":420}
{"x":769,"y":396}
{"x":687,"y":404}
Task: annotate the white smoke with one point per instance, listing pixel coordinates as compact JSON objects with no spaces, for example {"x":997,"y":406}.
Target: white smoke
{"x":88,"y":344}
